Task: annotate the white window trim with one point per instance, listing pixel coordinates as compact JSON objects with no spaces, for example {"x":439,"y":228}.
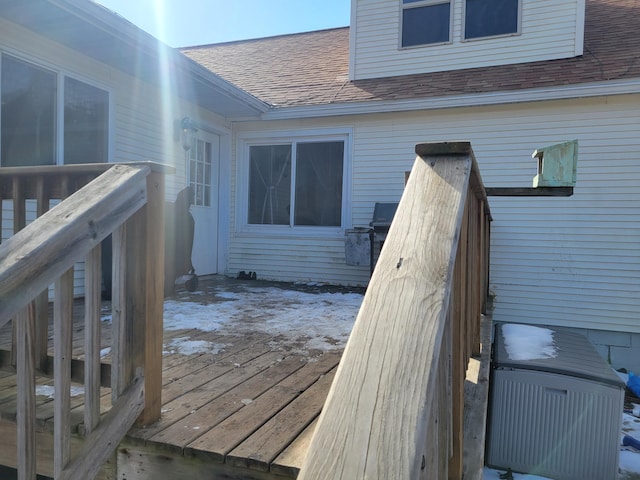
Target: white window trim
{"x":245,"y":141}
{"x":424,"y":3}
{"x":463,"y":23}
{"x":61,"y":74}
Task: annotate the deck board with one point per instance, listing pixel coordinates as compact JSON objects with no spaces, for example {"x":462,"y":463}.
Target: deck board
{"x":249,"y":402}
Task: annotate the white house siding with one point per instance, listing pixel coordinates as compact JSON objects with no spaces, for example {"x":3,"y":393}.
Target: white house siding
{"x":559,"y":261}
{"x":142,"y":116}
{"x":549,"y":30}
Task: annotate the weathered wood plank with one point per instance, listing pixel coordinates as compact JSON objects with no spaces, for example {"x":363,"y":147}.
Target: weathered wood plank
{"x":476,"y":399}
{"x":202,"y":419}
{"x":41,"y":252}
{"x":119,"y":346}
{"x":223,"y":438}
{"x":26,"y":421}
{"x":144,"y":463}
{"x":154,"y":298}
{"x":44,"y":451}
{"x":289,"y":462}
{"x":260,"y":449}
{"x":42,"y":300}
{"x":92,"y":338}
{"x":194,"y":399}
{"x":62,"y":321}
{"x":374,"y":420}
{"x":102,"y":441}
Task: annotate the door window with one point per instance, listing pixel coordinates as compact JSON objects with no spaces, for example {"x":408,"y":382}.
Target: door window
{"x":200,"y":172}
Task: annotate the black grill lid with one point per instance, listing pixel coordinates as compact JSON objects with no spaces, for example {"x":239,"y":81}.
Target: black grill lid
{"x":383,"y":214}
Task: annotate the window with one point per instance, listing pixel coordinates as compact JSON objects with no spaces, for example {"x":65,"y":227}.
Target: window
{"x":28,"y":118}
{"x":425,"y":22}
{"x":200,"y":172}
{"x":29,"y":133}
{"x":86,"y":110}
{"x":296,"y":184}
{"x":486,"y":18}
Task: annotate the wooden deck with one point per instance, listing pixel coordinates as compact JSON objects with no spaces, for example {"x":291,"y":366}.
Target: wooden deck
{"x":245,"y":410}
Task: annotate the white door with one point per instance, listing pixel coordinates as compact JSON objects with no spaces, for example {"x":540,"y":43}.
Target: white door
{"x":203,"y":171}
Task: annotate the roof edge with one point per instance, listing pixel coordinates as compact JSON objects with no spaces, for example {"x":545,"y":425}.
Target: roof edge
{"x":105,"y":19}
{"x":564,"y":92}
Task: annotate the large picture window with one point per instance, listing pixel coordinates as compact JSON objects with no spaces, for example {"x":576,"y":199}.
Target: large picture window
{"x":86,"y":116}
{"x":296,"y":184}
{"x":29,"y":131}
{"x":425,"y":22}
{"x":28,"y":117}
{"x":487,"y":18}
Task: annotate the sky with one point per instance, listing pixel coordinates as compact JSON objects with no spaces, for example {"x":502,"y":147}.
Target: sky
{"x":181,"y":23}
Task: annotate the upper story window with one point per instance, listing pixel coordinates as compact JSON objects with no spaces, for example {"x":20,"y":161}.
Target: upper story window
{"x":30,"y":132}
{"x":488,"y":18}
{"x":425,"y":22}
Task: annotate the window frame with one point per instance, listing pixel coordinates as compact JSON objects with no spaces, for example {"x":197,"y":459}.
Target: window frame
{"x":246,"y":141}
{"x":424,"y":3}
{"x":61,"y":74}
{"x":463,"y":32}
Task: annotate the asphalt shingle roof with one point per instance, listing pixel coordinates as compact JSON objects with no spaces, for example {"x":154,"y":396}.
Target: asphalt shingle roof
{"x":312,"y":68}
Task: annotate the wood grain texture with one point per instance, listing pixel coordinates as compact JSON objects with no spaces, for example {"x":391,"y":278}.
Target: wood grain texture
{"x":102,"y":442}
{"x":34,"y":257}
{"x":476,"y":400}
{"x":62,"y":321}
{"x":374,"y":423}
{"x":26,"y":407}
{"x":154,"y":298}
{"x":92,"y":292}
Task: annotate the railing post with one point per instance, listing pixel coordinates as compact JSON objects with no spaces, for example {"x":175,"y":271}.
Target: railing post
{"x":154,"y":298}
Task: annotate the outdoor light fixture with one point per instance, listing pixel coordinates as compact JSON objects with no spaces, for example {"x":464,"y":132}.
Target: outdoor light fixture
{"x":188,"y":129}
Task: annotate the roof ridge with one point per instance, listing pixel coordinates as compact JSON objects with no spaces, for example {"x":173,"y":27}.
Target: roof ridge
{"x":261,"y":39}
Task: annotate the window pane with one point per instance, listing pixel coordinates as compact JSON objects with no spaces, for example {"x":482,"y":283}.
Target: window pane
{"x":484,"y":18}
{"x":423,"y":25}
{"x":86,"y":111}
{"x":28,"y":114}
{"x":269,"y":184}
{"x":319,"y":184}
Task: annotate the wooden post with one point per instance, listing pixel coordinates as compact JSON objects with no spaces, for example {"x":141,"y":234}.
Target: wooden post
{"x":26,"y":407}
{"x":154,"y":298}
{"x":62,"y":327}
{"x":375,"y":422}
{"x":19,"y":222}
{"x":42,"y":300}
{"x":92,"y":296}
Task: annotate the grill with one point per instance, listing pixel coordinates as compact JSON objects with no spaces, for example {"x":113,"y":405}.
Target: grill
{"x":363,"y":245}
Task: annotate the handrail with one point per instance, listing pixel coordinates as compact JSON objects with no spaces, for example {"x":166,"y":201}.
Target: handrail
{"x":395,"y":406}
{"x":126,"y":201}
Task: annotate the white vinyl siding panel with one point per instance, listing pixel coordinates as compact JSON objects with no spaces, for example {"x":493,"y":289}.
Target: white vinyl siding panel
{"x":549,"y":30}
{"x":142,"y":116}
{"x":560,"y":261}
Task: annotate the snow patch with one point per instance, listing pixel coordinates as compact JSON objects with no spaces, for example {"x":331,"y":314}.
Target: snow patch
{"x":526,"y":342}
{"x":192,"y":347}
{"x":49,"y":391}
{"x":321,"y":321}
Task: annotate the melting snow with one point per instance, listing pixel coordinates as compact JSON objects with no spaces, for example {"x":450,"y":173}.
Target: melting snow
{"x":190,"y":347}
{"x":320,"y":321}
{"x":48,"y":391}
{"x":525,"y":342}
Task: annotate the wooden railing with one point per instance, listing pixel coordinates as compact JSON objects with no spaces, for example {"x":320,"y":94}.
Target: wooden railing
{"x":396,"y":404}
{"x":125,"y":201}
